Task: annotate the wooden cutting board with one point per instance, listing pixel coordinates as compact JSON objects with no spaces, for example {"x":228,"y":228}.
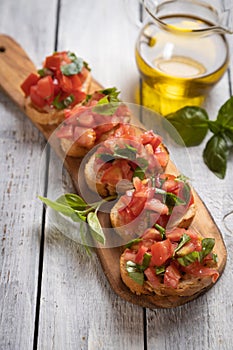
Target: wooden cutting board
{"x":15,"y":65}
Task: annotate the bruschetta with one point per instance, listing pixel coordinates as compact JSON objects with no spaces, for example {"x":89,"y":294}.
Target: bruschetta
{"x":177,"y":262}
{"x":128,"y":153}
{"x":94,"y":121}
{"x":163,"y":200}
{"x":62,"y":83}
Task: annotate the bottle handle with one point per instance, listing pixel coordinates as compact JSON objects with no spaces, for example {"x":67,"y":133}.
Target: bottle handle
{"x":134,"y":12}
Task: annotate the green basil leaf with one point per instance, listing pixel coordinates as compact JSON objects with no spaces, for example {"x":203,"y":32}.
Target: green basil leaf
{"x":63,"y":103}
{"x":83,"y":235}
{"x":184,"y":239}
{"x":107,"y":109}
{"x":138,"y":172}
{"x":215,"y":155}
{"x":207,"y":247}
{"x":145,"y":262}
{"x":72,"y":200}
{"x":188,"y":259}
{"x":106,"y":157}
{"x":63,"y":209}
{"x":112,"y":94}
{"x":132,"y":242}
{"x":72,"y":68}
{"x":96,"y":229}
{"x":159,"y":270}
{"x":191,"y":123}
{"x":128,"y":152}
{"x":161,"y":230}
{"x":225,"y":114}
{"x":133,"y":273}
{"x":142,"y":162}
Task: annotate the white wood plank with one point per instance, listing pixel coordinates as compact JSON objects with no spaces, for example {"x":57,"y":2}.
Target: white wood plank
{"x":20,"y":211}
{"x":102,"y":33}
{"x":78,"y":307}
{"x":206,"y":322}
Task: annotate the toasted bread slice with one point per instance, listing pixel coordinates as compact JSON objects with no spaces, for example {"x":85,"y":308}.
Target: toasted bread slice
{"x":161,"y":266}
{"x":136,"y":227}
{"x":50,"y":116}
{"x":105,"y":189}
{"x":189,"y":285}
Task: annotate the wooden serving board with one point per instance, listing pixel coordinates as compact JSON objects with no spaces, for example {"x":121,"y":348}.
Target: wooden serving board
{"x":15,"y":65}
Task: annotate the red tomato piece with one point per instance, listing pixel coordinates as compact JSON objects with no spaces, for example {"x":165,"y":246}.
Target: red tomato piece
{"x":112,"y":175}
{"x":76,"y":82}
{"x":79,"y":96}
{"x":129,"y":255}
{"x":45,"y":87}
{"x":36,"y":99}
{"x":152,"y":234}
{"x":198,"y":270}
{"x":66,"y":131}
{"x":140,"y":254}
{"x":53,"y":62}
{"x":152,"y":277}
{"x":161,"y":252}
{"x":31,"y":80}
{"x":172,"y":276}
{"x":65,"y":83}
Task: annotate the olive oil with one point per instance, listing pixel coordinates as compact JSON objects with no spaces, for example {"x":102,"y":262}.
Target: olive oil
{"x":178,"y":70}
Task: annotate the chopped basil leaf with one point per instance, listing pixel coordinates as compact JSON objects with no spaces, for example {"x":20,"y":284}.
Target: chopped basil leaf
{"x":184,"y":239}
{"x":161,"y":230}
{"x":132,"y":242}
{"x":160,"y":269}
{"x":63,"y":103}
{"x":170,"y":198}
{"x":139,"y":172}
{"x":74,"y":67}
{"x":107,"y":109}
{"x":146,"y":261}
{"x":128,"y":152}
{"x":44,"y":72}
{"x":188,"y":259}
{"x":112,"y":94}
{"x":106,"y":157}
{"x":133,"y":273}
{"x":215,"y":257}
{"x":207,"y":246}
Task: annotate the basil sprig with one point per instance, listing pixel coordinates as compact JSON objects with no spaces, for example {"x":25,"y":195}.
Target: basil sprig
{"x":192,"y":123}
{"x":61,"y":104}
{"x":74,"y":207}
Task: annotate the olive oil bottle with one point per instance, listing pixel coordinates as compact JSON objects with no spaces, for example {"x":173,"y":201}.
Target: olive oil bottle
{"x":178,"y":69}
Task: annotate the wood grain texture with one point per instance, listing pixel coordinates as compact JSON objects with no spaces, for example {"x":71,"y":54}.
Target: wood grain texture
{"x":62,"y":323}
{"x":20,"y":212}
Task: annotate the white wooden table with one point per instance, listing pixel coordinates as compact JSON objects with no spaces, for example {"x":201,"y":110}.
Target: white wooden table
{"x":52,"y":295}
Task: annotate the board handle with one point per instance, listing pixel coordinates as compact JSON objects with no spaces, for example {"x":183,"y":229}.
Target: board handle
{"x":15,"y":66}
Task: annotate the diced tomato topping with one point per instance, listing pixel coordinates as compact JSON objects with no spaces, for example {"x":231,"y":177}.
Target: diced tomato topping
{"x":157,"y":206}
{"x":53,"y":62}
{"x":45,"y":87}
{"x":198,"y":270}
{"x":79,"y":96}
{"x":140,"y":254}
{"x":175,"y":234}
{"x":152,"y":277}
{"x":161,"y":252}
{"x":152,"y":234}
{"x":172,"y":276}
{"x":66,"y":131}
{"x":76,"y":82}
{"x":36,"y":99}
{"x":31,"y":80}
{"x":129,"y":255}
